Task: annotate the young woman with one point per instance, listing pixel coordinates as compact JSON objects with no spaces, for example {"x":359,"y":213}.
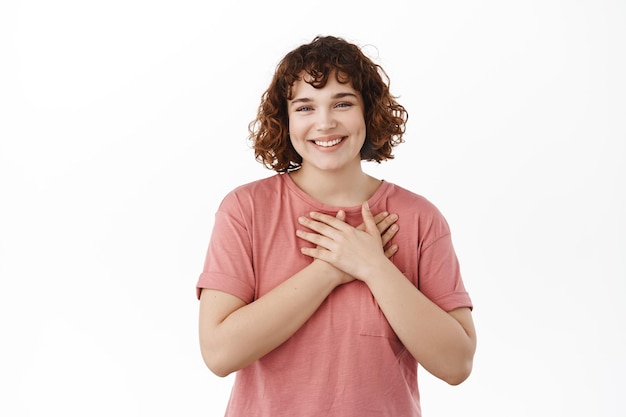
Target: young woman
{"x":323,"y":287}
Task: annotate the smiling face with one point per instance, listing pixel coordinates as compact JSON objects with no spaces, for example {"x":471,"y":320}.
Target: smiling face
{"x":326,"y":125}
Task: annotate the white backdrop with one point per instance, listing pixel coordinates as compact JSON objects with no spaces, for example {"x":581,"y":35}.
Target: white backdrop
{"x":124,"y":123}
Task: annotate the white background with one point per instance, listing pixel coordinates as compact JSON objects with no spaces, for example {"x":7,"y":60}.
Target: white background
{"x":124,"y":123}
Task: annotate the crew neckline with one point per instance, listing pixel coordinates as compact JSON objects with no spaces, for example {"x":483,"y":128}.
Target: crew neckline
{"x":372,"y":201}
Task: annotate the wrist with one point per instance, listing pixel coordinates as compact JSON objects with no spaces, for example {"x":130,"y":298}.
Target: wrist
{"x":377,"y":271}
{"x":333,"y":276}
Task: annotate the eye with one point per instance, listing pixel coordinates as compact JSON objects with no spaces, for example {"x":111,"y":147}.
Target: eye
{"x":304,"y":108}
{"x":344,"y":104}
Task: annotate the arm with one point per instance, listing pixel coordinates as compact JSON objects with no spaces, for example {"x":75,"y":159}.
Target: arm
{"x":442,"y":342}
{"x":234,"y":334}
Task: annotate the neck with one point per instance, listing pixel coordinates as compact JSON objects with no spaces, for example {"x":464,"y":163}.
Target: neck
{"x":343,"y":188}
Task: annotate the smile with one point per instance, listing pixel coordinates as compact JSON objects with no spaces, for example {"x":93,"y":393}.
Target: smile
{"x":327,"y":144}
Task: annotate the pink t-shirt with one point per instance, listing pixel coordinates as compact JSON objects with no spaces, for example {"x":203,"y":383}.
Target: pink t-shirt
{"x":345,"y":361}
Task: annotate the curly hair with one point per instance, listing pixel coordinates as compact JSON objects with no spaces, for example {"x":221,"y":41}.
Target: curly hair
{"x":385,"y":119}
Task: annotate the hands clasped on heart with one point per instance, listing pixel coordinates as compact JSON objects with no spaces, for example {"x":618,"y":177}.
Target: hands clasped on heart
{"x":353,"y":250}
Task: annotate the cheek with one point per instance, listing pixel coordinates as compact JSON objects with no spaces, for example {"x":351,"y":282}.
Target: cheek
{"x":297,"y":133}
{"x":294,"y":128}
{"x":357,"y":124}
{"x":360,"y":129}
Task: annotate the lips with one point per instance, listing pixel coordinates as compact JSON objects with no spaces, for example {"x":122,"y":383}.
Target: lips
{"x":329,"y":142}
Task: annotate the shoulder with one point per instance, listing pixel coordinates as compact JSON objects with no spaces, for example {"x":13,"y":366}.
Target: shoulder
{"x":404,"y":198}
{"x":414,"y":206}
{"x":246,"y":195}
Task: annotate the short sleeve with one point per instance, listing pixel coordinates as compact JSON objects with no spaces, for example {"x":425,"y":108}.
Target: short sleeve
{"x":228,"y":262}
{"x":439,"y":271}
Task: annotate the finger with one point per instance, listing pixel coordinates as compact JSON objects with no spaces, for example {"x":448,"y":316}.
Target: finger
{"x":315,"y":238}
{"x":389,"y":234}
{"x":377,"y":218}
{"x":319,"y":227}
{"x":386,"y":222}
{"x":368,"y":220}
{"x":317,"y":253}
{"x":341,"y":215}
{"x":380,"y":216}
{"x":391,"y":250}
{"x":320,"y":221}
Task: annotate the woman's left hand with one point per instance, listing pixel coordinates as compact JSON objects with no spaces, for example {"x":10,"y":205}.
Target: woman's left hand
{"x":347,"y":248}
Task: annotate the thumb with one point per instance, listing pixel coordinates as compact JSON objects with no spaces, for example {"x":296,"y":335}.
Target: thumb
{"x":368,"y":220}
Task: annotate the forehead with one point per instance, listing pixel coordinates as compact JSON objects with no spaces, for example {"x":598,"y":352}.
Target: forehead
{"x":306,"y":85}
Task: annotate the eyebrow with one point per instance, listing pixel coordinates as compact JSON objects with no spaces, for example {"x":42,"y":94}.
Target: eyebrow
{"x":334,"y":97}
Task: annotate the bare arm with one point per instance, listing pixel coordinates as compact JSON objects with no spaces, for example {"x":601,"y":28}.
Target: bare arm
{"x":234,"y":334}
{"x":443,"y":342}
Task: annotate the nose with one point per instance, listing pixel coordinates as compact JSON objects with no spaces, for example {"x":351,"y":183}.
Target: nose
{"x":325,"y":120}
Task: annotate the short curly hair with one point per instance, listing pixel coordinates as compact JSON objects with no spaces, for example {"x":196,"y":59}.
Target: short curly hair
{"x":385,"y":119}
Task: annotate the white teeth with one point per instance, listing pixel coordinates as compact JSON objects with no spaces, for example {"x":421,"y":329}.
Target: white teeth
{"x":329,"y":143}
